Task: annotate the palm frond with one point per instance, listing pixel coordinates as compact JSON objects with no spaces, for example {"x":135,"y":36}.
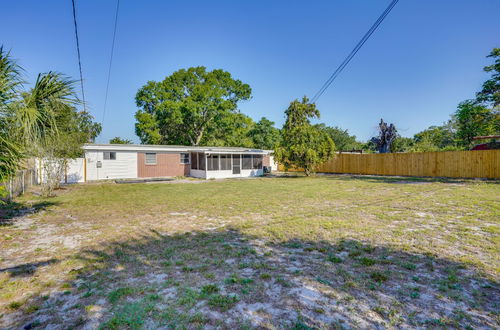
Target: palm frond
{"x":10,"y":157}
{"x":52,"y":94}
{"x":10,"y":79}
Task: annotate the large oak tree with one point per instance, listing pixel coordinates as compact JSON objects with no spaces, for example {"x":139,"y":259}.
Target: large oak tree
{"x":187,"y":105}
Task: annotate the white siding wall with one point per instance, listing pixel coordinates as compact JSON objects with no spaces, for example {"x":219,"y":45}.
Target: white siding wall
{"x":229,"y":174}
{"x":197,"y":173}
{"x":123,"y":167}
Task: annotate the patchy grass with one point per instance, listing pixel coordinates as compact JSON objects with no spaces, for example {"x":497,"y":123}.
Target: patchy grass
{"x":295,"y":252}
{"x":117,"y":294}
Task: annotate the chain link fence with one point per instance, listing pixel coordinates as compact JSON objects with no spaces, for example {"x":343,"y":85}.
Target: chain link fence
{"x":21,"y":182}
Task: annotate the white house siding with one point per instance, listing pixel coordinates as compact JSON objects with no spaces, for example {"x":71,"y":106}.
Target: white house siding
{"x":229,"y":174}
{"x":123,"y":167}
{"x":197,"y":173}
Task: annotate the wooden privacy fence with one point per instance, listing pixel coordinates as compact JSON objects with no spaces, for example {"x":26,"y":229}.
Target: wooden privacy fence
{"x":452,"y":164}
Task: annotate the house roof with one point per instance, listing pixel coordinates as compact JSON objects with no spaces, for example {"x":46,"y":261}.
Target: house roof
{"x":486,"y":137}
{"x":171,"y":148}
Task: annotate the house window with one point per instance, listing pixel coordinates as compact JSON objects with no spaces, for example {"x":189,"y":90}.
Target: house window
{"x":225,"y":162}
{"x":246,"y":163}
{"x":257,"y":162}
{"x":194,"y":160}
{"x":184,"y":158}
{"x":150,"y":159}
{"x":213,"y":162}
{"x":109,"y":155}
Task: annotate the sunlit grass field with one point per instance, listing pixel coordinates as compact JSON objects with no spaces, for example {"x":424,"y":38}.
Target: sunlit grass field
{"x":281,"y":252}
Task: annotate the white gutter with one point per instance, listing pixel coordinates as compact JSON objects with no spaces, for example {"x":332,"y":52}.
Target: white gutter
{"x":166,"y":148}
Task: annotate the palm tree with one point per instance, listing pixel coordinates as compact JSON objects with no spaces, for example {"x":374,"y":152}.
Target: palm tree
{"x":39,"y":109}
{"x":28,"y":119}
{"x":10,"y":80}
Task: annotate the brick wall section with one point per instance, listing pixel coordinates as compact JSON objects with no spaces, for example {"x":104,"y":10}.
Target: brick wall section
{"x":167,"y":164}
{"x":266,"y":161}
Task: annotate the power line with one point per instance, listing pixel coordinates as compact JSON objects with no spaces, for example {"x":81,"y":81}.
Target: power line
{"x":354,"y":51}
{"x":79,"y":57}
{"x":110,"y":63}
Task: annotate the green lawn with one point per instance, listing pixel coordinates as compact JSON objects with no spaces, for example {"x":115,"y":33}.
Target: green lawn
{"x":284,"y":252}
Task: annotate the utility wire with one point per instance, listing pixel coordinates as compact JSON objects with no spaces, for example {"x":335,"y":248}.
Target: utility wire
{"x":110,"y":63}
{"x":360,"y":44}
{"x":79,"y":57}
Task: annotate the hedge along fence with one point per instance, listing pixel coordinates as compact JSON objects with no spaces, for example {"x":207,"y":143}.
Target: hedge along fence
{"x":452,"y":164}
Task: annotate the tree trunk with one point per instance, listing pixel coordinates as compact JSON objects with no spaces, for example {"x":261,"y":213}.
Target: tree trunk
{"x":198,"y":137}
{"x":307,"y":171}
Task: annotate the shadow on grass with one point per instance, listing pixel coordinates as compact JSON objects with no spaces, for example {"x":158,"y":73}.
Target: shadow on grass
{"x":27,"y":269}
{"x":382,"y":178}
{"x":403,"y":179}
{"x":11,"y":211}
{"x":227,"y":279}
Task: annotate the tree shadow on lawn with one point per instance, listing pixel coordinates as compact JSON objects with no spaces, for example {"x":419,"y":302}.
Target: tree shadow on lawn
{"x":385,"y":179}
{"x":405,"y":179}
{"x":227,"y":279}
{"x":11,"y":211}
{"x":27,"y":269}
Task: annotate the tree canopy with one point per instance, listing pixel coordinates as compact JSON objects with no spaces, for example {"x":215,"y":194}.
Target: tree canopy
{"x":441,"y":137}
{"x":490,"y":92}
{"x":264,"y":135}
{"x":188,"y":107}
{"x":231,"y":130}
{"x":481,"y":116}
{"x":474,"y":119}
{"x":303,"y":145}
{"x":342,"y":139}
{"x":119,"y":140}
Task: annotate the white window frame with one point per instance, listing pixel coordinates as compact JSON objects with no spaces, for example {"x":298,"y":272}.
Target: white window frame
{"x":146,"y":158}
{"x":188,"y":158}
{"x":109,"y":153}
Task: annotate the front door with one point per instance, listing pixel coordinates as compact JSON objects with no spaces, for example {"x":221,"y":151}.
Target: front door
{"x":236,"y":164}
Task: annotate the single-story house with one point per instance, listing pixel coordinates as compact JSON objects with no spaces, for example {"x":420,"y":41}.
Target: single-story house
{"x":132,"y":161}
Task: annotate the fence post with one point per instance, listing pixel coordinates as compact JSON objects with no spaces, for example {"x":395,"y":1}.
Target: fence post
{"x":22,"y":184}
{"x":10,"y":189}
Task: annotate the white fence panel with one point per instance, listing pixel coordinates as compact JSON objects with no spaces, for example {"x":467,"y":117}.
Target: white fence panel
{"x":75,"y":171}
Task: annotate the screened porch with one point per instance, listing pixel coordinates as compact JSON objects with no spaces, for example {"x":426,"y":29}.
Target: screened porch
{"x":213,"y":165}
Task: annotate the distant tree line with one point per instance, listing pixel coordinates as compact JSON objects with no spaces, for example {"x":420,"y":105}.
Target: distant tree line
{"x":476,"y":117}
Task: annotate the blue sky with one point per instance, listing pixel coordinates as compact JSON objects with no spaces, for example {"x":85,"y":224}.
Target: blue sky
{"x":424,"y":59}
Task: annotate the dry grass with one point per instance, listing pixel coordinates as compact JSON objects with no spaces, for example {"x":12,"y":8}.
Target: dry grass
{"x":324,"y":252}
